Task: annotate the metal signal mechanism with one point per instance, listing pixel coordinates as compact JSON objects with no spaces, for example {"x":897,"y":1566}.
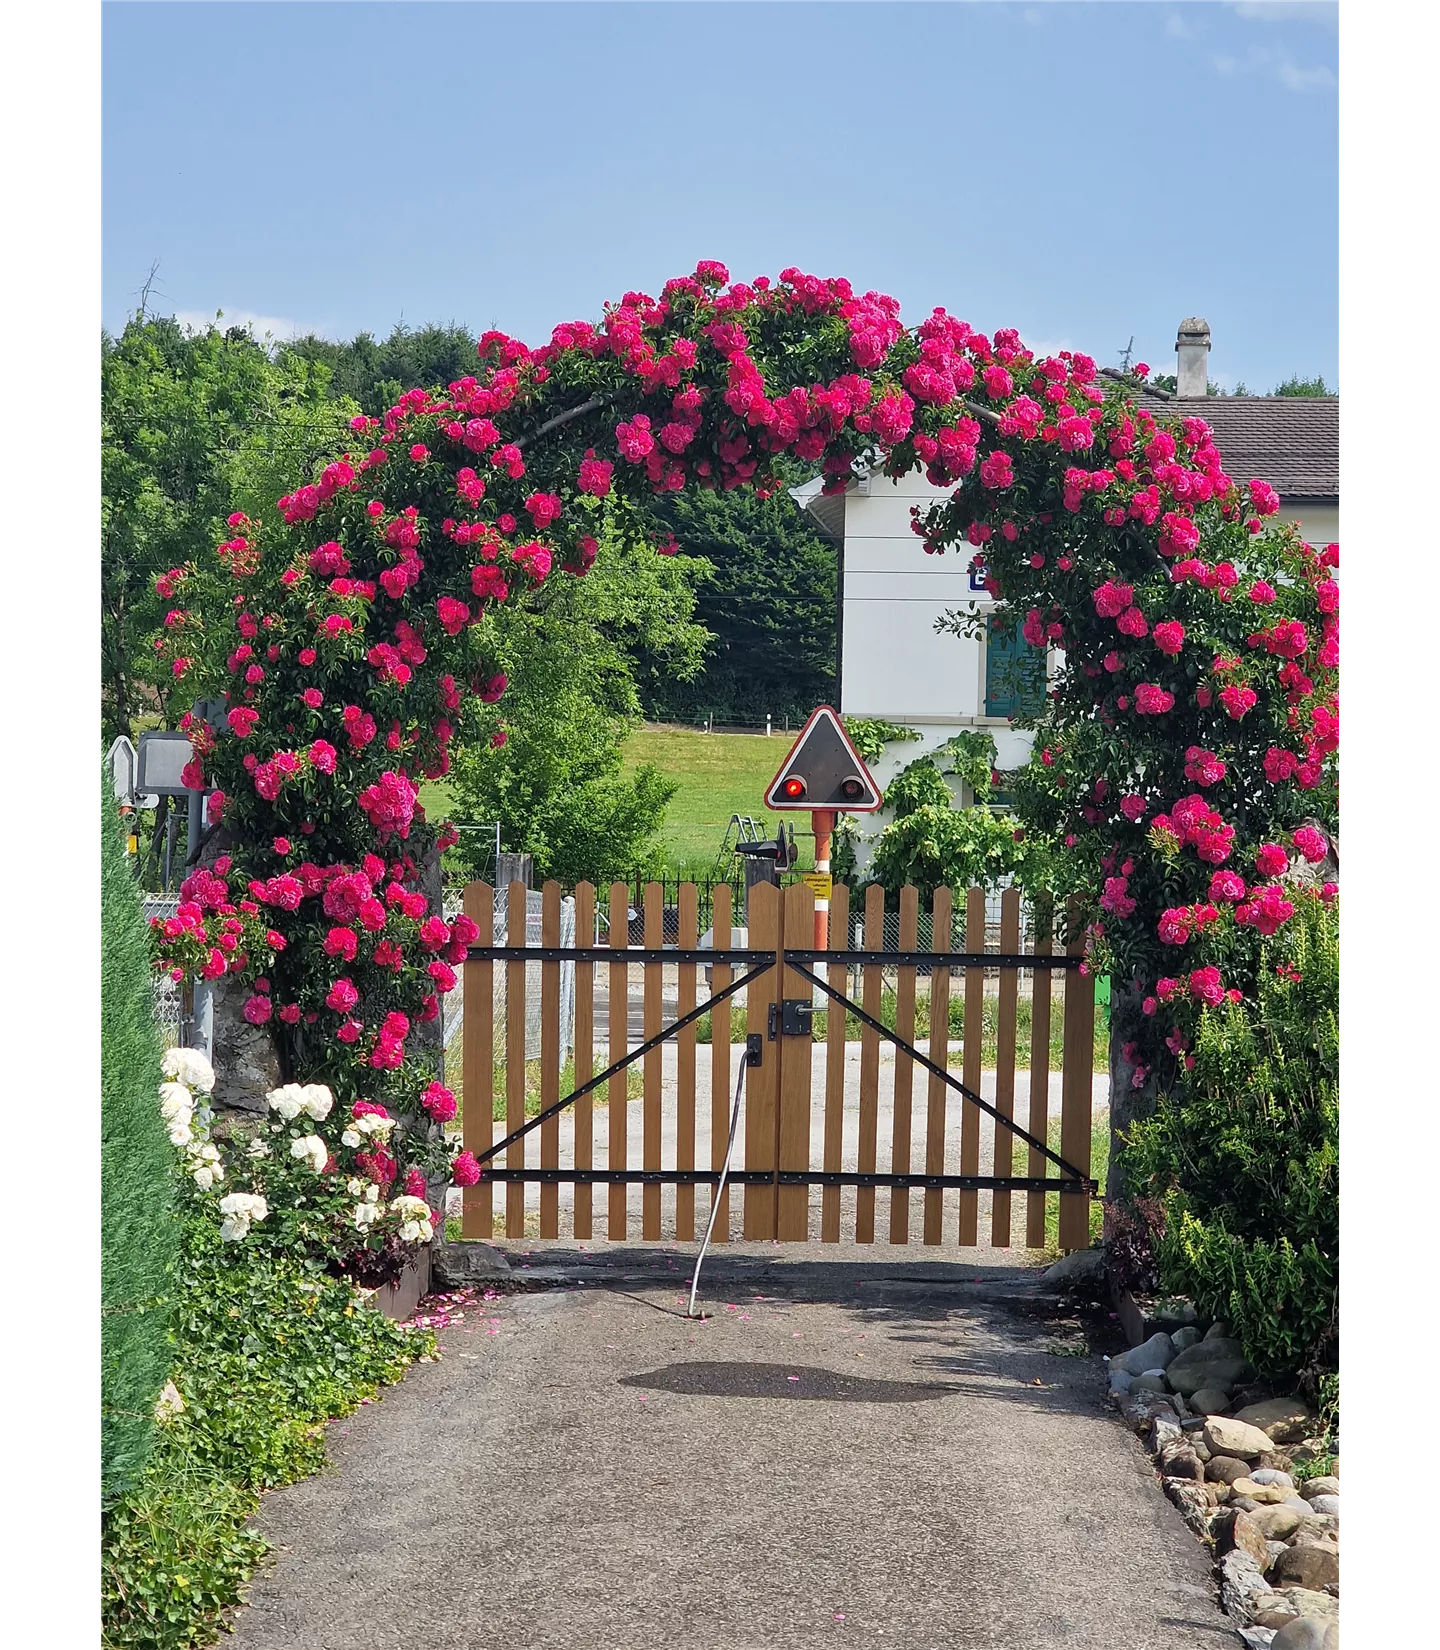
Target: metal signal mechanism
{"x":824,"y":771}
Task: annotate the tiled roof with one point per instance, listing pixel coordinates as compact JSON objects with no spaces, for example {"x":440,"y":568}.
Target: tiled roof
{"x":1293,"y":442}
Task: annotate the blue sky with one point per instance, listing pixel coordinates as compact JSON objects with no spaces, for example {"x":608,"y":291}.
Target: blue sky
{"x":1084,"y":172}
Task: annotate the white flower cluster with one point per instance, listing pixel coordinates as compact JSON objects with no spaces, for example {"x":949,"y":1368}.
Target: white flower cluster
{"x":313,"y":1099}
{"x":169,"y":1402}
{"x":312,"y":1149}
{"x":415,"y":1224}
{"x":367,"y":1211}
{"x":361,"y":1127}
{"x":189,"y":1066}
{"x":204,"y":1164}
{"x":188,"y":1072}
{"x":239,"y":1210}
{"x":413,"y":1213}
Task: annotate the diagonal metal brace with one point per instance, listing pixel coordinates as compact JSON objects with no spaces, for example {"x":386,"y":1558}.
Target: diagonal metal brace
{"x":1084,"y":1182}
{"x":629,"y":1059}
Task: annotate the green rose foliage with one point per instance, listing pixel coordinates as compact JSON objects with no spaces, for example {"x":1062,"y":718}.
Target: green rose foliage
{"x":264,"y":1348}
{"x":1244,"y":1154}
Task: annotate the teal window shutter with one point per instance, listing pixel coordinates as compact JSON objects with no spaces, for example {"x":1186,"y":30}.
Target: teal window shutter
{"x":1014,"y":673}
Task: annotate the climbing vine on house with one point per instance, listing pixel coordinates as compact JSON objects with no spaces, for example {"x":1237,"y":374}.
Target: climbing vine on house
{"x":1189,"y":735}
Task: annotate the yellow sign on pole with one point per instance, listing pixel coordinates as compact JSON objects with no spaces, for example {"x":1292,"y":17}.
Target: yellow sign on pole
{"x":818,"y":882}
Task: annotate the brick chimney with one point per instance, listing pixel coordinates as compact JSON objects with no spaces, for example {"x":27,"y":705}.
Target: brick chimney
{"x":1192,"y":350}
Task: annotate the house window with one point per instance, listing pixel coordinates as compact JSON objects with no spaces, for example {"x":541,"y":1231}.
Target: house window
{"x":1014,"y":673}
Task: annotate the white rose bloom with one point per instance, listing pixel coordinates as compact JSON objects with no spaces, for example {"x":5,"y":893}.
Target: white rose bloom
{"x":372,"y":1192}
{"x":312,"y":1148}
{"x":427,"y":1231}
{"x":355,"y":1187}
{"x":366,"y":1214}
{"x":206,"y":1177}
{"x":410,"y":1208}
{"x":176,"y":1101}
{"x":190,"y":1066}
{"x":288,"y":1101}
{"x":245,"y":1204}
{"x":350,"y":1138}
{"x":169,"y":1402}
{"x":180,"y":1134}
{"x":316,"y":1101}
{"x":233,"y":1228}
{"x":258,"y":1148}
{"x":410,"y":1231}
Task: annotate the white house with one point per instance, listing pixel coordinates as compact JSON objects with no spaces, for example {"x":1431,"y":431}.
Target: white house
{"x":891,"y":663}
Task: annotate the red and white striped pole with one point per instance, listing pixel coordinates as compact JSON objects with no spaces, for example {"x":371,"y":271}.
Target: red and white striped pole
{"x":822,"y":822}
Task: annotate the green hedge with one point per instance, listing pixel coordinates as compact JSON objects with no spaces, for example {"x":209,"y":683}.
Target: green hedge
{"x":136,"y":1165}
{"x":1246,"y":1159}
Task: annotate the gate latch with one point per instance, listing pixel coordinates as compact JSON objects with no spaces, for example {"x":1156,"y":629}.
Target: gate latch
{"x":795,"y":1016}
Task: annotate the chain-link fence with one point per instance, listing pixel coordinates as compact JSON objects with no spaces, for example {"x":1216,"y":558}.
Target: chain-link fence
{"x":169,"y":1004}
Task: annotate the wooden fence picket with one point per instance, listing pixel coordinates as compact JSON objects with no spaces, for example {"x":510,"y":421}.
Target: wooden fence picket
{"x":584,"y":1058}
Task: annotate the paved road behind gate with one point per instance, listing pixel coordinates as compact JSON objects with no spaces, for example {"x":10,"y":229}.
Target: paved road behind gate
{"x":856,"y":1449}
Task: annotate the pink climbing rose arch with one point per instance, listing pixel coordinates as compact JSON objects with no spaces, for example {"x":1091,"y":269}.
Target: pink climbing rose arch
{"x":1185,"y":754}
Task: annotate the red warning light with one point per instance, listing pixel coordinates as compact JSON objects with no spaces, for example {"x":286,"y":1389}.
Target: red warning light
{"x":794,"y":786}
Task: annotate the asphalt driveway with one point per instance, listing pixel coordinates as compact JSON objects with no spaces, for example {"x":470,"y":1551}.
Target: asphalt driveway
{"x":859,"y":1447}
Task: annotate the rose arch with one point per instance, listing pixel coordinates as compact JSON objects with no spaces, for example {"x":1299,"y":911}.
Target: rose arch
{"x":1185,"y":756}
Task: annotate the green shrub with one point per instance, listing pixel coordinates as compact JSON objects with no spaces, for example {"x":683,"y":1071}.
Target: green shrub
{"x":266,"y":1348}
{"x":1245,"y":1156}
{"x":137,"y":1241}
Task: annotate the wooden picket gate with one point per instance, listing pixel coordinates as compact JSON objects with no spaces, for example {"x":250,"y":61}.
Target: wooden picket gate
{"x":802,"y":1119}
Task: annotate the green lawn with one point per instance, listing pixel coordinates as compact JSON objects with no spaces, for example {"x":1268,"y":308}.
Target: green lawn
{"x":719,"y":774}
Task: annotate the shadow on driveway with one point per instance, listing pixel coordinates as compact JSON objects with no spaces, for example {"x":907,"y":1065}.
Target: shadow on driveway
{"x":793,"y":1381}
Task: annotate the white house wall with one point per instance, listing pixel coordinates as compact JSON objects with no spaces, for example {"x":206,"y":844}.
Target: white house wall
{"x":896,"y":667}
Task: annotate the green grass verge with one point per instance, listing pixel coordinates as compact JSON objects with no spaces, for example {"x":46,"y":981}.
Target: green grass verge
{"x":718,"y":774}
{"x":1099,"y":1167}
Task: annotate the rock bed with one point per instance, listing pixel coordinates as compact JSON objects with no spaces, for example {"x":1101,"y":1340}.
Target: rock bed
{"x":1230,"y":1453}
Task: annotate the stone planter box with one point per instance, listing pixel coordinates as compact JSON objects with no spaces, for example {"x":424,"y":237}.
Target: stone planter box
{"x":398,"y":1300}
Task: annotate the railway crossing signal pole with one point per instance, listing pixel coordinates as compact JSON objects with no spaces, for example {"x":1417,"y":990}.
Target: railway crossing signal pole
{"x":823,"y":774}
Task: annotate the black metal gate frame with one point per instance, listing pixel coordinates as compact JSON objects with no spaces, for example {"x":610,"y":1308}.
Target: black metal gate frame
{"x":759,"y":963}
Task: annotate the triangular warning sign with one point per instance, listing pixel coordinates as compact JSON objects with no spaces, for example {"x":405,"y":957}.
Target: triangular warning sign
{"x":824,"y":770}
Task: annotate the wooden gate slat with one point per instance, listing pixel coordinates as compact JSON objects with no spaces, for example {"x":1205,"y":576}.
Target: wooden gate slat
{"x":869,"y":1065}
{"x":688,"y":903}
{"x":619,"y":937}
{"x":720,"y":1076}
{"x":902,"y":1113}
{"x":792,"y":1131}
{"x":550,"y":1059}
{"x":515,"y":1051}
{"x":584,"y":1057}
{"x":477,"y":1067}
{"x":1077,"y":1072}
{"x":971,"y":1064}
{"x":838,"y":974}
{"x":1005,"y":1015}
{"x":762,"y":1081}
{"x":652,"y":978}
{"x":1038,"y":1122}
{"x":937,"y":1094}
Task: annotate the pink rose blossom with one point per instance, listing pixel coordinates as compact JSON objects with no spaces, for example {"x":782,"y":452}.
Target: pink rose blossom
{"x":1271,"y":860}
